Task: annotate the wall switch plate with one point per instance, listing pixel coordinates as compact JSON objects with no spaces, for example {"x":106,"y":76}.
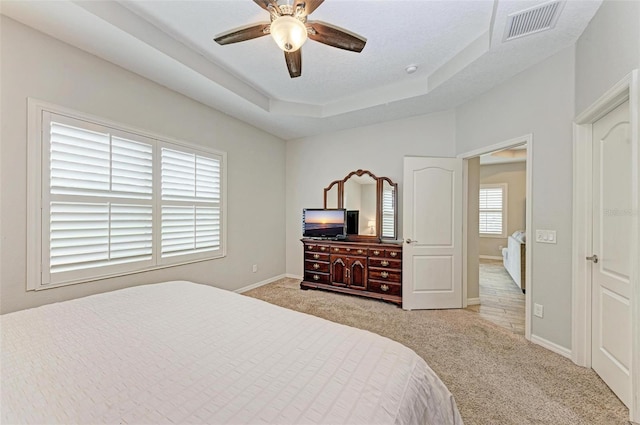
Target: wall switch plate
{"x":546,"y":236}
{"x":255,"y":268}
{"x":538,"y":310}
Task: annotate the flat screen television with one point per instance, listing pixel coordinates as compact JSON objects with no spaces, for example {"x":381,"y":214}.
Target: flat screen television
{"x":324,"y":223}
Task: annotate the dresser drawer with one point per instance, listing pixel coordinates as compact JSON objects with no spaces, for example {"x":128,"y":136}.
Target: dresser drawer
{"x":394,"y":276}
{"x":385,"y":263}
{"x":349,"y":250}
{"x":317,"y":247}
{"x":316,"y":277}
{"x":395,"y":254}
{"x":384,"y":287}
{"x":316,"y":266}
{"x":316,"y":256}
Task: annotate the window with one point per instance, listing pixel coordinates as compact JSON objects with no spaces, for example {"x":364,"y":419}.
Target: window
{"x":493,"y":210}
{"x":111,"y":201}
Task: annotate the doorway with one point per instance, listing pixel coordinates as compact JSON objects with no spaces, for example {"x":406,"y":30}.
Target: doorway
{"x":500,"y":179}
{"x":499,"y":287}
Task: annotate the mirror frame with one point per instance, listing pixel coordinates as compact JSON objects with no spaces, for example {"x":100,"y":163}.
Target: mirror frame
{"x":379,"y":188}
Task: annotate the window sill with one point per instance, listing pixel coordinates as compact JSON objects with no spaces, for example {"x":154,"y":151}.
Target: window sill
{"x":41,"y":287}
{"x":493,"y":236}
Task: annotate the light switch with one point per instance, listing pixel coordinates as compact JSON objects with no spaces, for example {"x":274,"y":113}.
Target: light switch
{"x":546,"y":236}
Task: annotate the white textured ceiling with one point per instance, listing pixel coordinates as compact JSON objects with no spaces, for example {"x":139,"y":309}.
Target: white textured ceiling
{"x":457,"y":46}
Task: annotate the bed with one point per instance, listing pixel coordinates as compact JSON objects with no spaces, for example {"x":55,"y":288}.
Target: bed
{"x":180,"y":352}
{"x":514,"y":258}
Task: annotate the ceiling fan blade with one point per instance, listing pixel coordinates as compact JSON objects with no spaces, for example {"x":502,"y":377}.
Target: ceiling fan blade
{"x":336,"y":37}
{"x":266,"y":3}
{"x":294,"y":63}
{"x":262,"y":3}
{"x":242,"y":34}
{"x":308,"y":6}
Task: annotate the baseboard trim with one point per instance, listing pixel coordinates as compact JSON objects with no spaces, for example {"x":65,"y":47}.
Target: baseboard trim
{"x":259,"y":284}
{"x":490,"y":257}
{"x":551,"y":346}
{"x":293,"y":276}
{"x":473,"y":301}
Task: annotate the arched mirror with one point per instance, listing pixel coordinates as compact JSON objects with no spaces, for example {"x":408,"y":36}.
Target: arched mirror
{"x":331,"y":196}
{"x":371,"y":204}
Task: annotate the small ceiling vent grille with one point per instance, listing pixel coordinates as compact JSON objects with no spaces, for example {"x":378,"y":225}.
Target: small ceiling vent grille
{"x":533,"y":20}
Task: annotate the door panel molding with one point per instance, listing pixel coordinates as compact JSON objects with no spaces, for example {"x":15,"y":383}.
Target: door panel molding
{"x":626,"y":89}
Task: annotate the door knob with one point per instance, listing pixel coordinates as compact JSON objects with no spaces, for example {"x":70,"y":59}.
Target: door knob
{"x":411,"y":241}
{"x":593,"y":258}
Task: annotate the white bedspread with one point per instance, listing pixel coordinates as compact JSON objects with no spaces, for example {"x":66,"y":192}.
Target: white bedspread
{"x":179,"y":352}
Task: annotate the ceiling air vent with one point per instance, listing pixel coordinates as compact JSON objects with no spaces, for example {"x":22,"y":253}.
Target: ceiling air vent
{"x":535,"y":19}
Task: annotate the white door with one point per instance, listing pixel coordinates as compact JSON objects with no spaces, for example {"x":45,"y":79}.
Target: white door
{"x":610,"y":309}
{"x":432,"y":223}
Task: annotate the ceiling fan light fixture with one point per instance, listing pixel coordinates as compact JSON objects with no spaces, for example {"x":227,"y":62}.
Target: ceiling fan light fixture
{"x":289,"y":33}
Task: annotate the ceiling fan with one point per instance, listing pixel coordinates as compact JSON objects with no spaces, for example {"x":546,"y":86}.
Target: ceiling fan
{"x":290,"y":29}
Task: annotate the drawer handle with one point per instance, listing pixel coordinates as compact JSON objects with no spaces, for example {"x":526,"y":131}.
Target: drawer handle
{"x":316,"y":256}
{"x":336,"y":249}
{"x":384,"y":275}
{"x":384,"y":288}
{"x":360,"y":251}
{"x":348,"y":249}
{"x":376,"y":252}
{"x":384,"y":263}
{"x":393,"y":253}
{"x":316,"y":277}
{"x":322,"y":248}
{"x":316,"y":266}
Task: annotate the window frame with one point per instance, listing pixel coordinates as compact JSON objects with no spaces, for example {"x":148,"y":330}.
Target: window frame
{"x":505,"y":199}
{"x":38,"y":195}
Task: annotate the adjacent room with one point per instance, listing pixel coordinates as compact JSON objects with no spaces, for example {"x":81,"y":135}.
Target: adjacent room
{"x":308,"y":211}
{"x":501,"y":241}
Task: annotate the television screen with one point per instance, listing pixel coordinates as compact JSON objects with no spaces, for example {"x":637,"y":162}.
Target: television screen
{"x":323,"y":223}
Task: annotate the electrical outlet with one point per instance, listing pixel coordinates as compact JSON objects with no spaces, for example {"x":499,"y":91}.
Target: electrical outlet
{"x":255,"y":268}
{"x":538,"y":310}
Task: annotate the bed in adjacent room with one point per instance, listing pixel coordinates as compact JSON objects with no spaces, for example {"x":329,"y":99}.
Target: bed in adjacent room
{"x":179,"y":352}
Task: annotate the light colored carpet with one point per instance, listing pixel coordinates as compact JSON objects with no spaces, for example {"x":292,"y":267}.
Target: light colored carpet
{"x":496,"y":376}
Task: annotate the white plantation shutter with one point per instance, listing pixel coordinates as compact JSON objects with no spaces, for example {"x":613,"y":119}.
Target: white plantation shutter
{"x":80,"y":160}
{"x":388,"y":225}
{"x":94,"y":176}
{"x":85,"y":235}
{"x":191,"y":193}
{"x":492,"y":210}
{"x":114,"y":202}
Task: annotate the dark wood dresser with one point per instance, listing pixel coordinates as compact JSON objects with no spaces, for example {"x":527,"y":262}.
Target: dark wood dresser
{"x":372,"y":270}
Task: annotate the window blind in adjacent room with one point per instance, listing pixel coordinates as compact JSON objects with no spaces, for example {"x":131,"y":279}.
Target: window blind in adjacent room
{"x":492,"y":210}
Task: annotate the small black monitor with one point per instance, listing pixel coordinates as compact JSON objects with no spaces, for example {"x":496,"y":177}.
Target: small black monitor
{"x":353,"y":218}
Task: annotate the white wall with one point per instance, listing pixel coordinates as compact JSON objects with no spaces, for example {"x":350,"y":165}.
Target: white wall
{"x":515,"y":176}
{"x":607,"y":50}
{"x":314,"y":162}
{"x":35,"y":65}
{"x":540,"y":101}
{"x":473,"y":228}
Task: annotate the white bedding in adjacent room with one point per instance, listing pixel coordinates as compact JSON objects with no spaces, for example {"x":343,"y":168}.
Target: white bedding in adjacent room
{"x":179,"y":352}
